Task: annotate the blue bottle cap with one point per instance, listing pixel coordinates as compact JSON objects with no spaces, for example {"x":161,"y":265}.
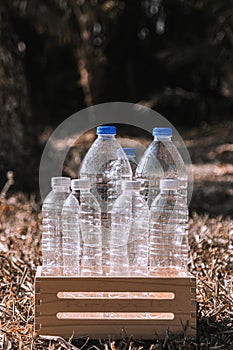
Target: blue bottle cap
{"x":129,"y":151}
{"x":105,"y":130}
{"x":162,"y":132}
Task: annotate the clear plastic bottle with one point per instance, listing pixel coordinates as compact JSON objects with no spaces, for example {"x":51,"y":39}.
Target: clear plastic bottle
{"x":129,"y":234}
{"x":161,"y":160}
{"x":105,"y":180}
{"x":51,"y":225}
{"x":168,"y":230}
{"x":71,"y":245}
{"x":117,"y":164}
{"x":131,"y":155}
{"x":90,"y":224}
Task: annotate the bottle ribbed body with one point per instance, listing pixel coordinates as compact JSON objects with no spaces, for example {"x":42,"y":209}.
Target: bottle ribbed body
{"x":71,"y":246}
{"x":105,"y":180}
{"x":161,"y":160}
{"x":168,"y":233}
{"x":52,"y":233}
{"x":119,"y":262}
{"x":129,"y":235}
{"x":138,"y":237}
{"x":90,"y":224}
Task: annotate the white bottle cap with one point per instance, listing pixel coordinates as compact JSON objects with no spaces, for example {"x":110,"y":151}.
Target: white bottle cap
{"x":169,"y":184}
{"x":131,"y":185}
{"x":62,"y":181}
{"x":81,"y":184}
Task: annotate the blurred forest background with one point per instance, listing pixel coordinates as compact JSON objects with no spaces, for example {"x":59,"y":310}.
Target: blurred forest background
{"x":60,"y":56}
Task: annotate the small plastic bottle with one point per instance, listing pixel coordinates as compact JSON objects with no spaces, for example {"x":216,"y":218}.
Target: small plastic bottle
{"x":90,"y":224}
{"x":129,"y":234}
{"x":105,"y":181}
{"x":51,"y":226}
{"x":168,"y":230}
{"x":71,"y":233}
{"x":161,"y":160}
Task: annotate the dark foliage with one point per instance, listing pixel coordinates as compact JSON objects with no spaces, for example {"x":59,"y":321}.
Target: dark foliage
{"x":59,"y":56}
{"x":174,"y":55}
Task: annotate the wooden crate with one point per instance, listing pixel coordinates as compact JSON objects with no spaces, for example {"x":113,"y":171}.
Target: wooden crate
{"x":170,"y":297}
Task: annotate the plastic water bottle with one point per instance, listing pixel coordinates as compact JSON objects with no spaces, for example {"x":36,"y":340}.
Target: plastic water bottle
{"x":51,"y":225}
{"x":71,"y":245}
{"x":105,"y":179}
{"x":168,"y":237}
{"x":129,"y":233}
{"x":161,"y":160}
{"x":130,"y":153}
{"x":90,"y":224}
{"x":117,"y":164}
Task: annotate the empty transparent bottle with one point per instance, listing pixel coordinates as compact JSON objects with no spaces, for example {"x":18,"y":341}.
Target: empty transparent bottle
{"x":116,"y":165}
{"x":71,"y":245}
{"x":131,"y":155}
{"x":129,"y":234}
{"x":51,"y":225}
{"x":168,"y":230}
{"x":90,"y":224}
{"x":161,"y":160}
{"x":105,"y":181}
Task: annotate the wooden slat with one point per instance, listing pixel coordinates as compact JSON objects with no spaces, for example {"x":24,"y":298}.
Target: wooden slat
{"x":115,"y":331}
{"x":109,"y":284}
{"x":53,"y":320}
{"x":181,"y":296}
{"x":95,"y":329}
{"x":121,"y":305}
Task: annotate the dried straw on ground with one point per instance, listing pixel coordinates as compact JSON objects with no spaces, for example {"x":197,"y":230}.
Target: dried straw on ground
{"x":211,"y":241}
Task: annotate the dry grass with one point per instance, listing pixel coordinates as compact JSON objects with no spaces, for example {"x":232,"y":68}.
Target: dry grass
{"x":211,"y":261}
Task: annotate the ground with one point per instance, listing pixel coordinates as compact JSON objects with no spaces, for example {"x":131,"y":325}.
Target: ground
{"x":211,"y":256}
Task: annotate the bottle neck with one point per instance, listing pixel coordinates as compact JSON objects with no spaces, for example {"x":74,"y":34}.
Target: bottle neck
{"x":169,"y":192}
{"x":77,"y":190}
{"x":61,"y":188}
{"x":131,"y":191}
{"x":131,"y":157}
{"x":107,"y":136}
{"x":84,"y":191}
{"x":162,"y":138}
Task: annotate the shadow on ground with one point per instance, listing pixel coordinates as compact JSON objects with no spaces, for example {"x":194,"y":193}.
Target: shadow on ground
{"x":211,"y":151}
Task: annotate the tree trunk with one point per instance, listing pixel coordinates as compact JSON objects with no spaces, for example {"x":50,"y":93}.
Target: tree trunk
{"x":16,"y":143}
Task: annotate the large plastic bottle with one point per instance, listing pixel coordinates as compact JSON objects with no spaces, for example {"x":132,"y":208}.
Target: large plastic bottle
{"x":168,"y":230}
{"x":129,"y":234}
{"x":161,"y":160}
{"x":51,"y":225}
{"x":105,"y":181}
{"x":90,"y":224}
{"x":71,"y":244}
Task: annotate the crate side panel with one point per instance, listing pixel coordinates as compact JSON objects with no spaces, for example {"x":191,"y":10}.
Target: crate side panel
{"x":47,"y":303}
{"x":106,"y":305}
